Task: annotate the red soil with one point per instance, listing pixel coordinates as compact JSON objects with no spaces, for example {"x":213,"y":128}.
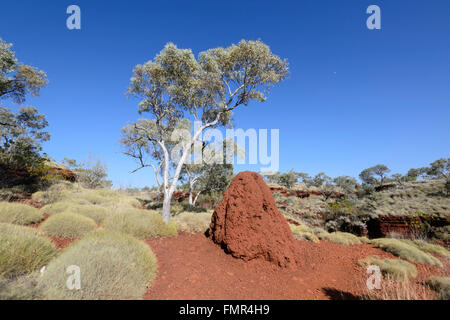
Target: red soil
{"x":247,"y":223}
{"x":192,"y":267}
{"x":62,"y":243}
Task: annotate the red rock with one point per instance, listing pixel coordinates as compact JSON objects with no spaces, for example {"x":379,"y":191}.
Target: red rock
{"x":248,"y":225}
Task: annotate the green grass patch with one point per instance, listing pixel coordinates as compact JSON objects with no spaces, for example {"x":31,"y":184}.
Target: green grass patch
{"x":193,"y":221}
{"x":22,"y":250}
{"x":17,"y":213}
{"x":395,"y":269}
{"x":112,"y":266}
{"x":406,"y":251}
{"x":140,"y":224}
{"x":68,"y":225}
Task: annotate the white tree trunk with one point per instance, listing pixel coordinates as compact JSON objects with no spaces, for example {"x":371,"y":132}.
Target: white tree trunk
{"x":168,"y":191}
{"x":196,"y":197}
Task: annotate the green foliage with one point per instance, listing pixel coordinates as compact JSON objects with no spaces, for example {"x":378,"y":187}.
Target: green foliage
{"x":91,"y":174}
{"x":343,"y":238}
{"x":441,"y":285}
{"x":392,"y":268}
{"x":367,"y":176}
{"x":22,"y":250}
{"x":67,"y":225}
{"x":193,"y":221}
{"x":140,"y":223}
{"x":429,"y":247}
{"x":17,"y":213}
{"x":112,"y":266}
{"x":406,"y":251}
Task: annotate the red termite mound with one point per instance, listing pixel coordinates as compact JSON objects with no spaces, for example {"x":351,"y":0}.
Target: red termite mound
{"x":248,"y":225}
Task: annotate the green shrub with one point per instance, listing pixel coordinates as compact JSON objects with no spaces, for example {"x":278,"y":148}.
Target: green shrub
{"x":406,"y":251}
{"x":303,"y":232}
{"x":140,"y":223}
{"x":112,"y":266}
{"x":343,"y":238}
{"x":96,"y":213}
{"x":441,"y":285}
{"x":392,"y":268}
{"x":193,"y":221}
{"x":22,"y":250}
{"x":190,"y":208}
{"x":17,"y":213}
{"x":67,"y":225}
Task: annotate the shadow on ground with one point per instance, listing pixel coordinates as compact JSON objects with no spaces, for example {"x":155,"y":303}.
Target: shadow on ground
{"x":335,"y":294}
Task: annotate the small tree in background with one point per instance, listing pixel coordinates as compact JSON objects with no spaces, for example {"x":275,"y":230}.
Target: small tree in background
{"x":92,"y":174}
{"x":346,"y":183}
{"x":441,"y":169}
{"x":374,"y":175}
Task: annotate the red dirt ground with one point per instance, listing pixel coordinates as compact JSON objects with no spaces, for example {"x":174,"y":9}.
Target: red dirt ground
{"x":192,"y":267}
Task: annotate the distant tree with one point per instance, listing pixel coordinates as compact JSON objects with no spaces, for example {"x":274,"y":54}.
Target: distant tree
{"x":92,"y":173}
{"x":176,"y":85}
{"x":210,"y":176}
{"x":346,"y":183}
{"x":399,"y":178}
{"x":304,"y":178}
{"x":320,"y":179}
{"x":441,"y":169}
{"x":288,"y":179}
{"x":368,"y":176}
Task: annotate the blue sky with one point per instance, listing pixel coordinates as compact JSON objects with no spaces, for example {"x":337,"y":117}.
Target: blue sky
{"x":354,"y":97}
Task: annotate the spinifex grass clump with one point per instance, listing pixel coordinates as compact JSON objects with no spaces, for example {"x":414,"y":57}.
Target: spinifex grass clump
{"x":140,"y":223}
{"x":22,"y":250}
{"x":340,"y":237}
{"x":17,"y":213}
{"x":193,"y":221}
{"x":441,"y":285}
{"x":395,"y":269}
{"x":406,"y":251}
{"x":112,"y":266}
{"x":68,"y":225}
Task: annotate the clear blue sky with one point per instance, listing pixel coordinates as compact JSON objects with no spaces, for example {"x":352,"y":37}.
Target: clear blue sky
{"x":354,"y":98}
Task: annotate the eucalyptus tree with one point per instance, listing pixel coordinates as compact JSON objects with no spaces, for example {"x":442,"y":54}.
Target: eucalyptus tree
{"x":21,"y":133}
{"x":176,"y":85}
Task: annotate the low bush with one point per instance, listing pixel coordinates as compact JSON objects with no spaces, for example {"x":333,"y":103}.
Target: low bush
{"x":17,"y":213}
{"x":193,"y":221}
{"x":441,"y":285}
{"x":67,"y":225}
{"x":22,"y":250}
{"x":112,"y":266}
{"x":190,"y":208}
{"x":140,"y":223}
{"x":343,"y":238}
{"x":395,"y":269}
{"x":406,"y":251}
